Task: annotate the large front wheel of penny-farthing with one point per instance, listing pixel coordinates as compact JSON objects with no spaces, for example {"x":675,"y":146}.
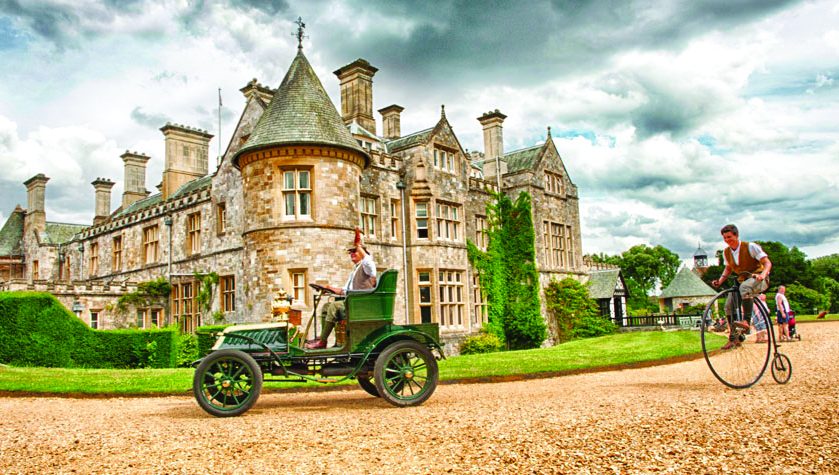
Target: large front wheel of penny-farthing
{"x":227,"y":383}
{"x":406,"y":373}
{"x":739,"y":364}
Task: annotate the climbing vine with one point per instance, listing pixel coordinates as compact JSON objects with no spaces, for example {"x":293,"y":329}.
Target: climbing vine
{"x":508,"y":273}
{"x":153,"y":292}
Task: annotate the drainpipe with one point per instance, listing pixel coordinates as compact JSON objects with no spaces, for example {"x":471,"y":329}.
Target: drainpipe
{"x":168,"y":222}
{"x":401,"y":186}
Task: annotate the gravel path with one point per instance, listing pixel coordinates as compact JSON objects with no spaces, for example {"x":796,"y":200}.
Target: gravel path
{"x":665,"y":419}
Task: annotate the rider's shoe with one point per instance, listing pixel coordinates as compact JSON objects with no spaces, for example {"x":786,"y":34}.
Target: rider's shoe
{"x":730,"y":345}
{"x":315,"y":344}
{"x":742,"y":326}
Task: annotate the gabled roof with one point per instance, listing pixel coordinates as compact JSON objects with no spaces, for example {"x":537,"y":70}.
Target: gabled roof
{"x":60,"y":233}
{"x":523,"y":159}
{"x":602,"y":283}
{"x":409,"y":141}
{"x":686,"y":284}
{"x":12,"y":234}
{"x":300,"y":113}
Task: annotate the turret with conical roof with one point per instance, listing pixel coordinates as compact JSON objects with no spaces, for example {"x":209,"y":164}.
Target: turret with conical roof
{"x":300,"y":113}
{"x":301,"y":173}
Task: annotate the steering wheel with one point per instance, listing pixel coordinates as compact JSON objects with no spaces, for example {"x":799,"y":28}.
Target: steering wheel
{"x":321,"y":288}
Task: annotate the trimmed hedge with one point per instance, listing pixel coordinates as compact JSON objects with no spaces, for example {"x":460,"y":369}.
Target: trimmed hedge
{"x":37,"y":330}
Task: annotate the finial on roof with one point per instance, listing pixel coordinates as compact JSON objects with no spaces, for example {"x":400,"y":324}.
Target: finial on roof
{"x":299,"y":34}
{"x":549,"y":131}
{"x":443,"y":111}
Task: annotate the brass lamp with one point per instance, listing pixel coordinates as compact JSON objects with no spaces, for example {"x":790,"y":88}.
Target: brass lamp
{"x":280,"y":306}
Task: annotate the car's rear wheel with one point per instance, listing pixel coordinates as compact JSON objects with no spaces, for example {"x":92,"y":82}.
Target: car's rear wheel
{"x":368,"y":384}
{"x":227,"y":383}
{"x":406,"y":373}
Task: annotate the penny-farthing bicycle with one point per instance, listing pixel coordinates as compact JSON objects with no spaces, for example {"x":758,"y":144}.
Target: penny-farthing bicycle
{"x":741,"y":363}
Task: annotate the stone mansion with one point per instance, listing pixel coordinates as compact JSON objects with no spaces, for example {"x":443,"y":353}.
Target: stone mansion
{"x":280,"y":208}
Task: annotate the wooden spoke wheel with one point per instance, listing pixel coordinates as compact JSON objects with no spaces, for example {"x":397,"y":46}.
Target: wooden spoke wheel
{"x":406,"y":373}
{"x":227,"y":383}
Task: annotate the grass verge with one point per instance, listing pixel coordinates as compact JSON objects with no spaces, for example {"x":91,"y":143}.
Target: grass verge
{"x":619,"y":350}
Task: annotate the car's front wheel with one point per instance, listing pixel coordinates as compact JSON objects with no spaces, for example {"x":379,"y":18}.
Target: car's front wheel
{"x":227,"y":383}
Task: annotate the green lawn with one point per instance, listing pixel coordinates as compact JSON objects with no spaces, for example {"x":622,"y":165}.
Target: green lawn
{"x":613,"y":350}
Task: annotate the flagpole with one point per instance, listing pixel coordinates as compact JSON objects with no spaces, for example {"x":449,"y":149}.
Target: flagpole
{"x":218,"y":160}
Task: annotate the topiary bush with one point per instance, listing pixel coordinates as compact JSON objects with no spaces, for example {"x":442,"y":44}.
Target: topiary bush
{"x":481,"y":343}
{"x":37,"y":330}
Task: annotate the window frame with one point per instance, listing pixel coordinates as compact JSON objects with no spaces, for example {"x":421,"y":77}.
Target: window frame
{"x":221,"y":218}
{"x":447,"y":219}
{"x":296,"y":192}
{"x":227,"y":290}
{"x":93,"y":260}
{"x":426,"y":218}
{"x":116,"y":253}
{"x":368,"y":219}
{"x":151,"y":245}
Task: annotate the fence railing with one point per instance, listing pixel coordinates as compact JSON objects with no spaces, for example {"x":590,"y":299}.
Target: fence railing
{"x":670,"y":320}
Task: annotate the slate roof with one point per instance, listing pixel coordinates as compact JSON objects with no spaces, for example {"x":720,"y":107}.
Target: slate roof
{"x":523,"y":159}
{"x":60,"y":233}
{"x":147,"y":202}
{"x":12,"y":234}
{"x":193,"y":185}
{"x":409,"y":141}
{"x":602,"y":283}
{"x":686,"y":284}
{"x":300,"y":113}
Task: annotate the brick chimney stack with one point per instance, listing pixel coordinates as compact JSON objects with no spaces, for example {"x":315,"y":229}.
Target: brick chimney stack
{"x":36,"y":217}
{"x":254,"y":88}
{"x":103,"y":200}
{"x":391,"y":121}
{"x":357,"y":94}
{"x":493,"y":141}
{"x":187,"y":156}
{"x":134,"y":185}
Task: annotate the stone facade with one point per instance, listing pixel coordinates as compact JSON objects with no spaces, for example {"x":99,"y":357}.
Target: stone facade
{"x":418,"y":197}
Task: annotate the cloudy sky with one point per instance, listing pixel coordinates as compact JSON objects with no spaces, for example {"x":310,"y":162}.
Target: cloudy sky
{"x":673,"y":117}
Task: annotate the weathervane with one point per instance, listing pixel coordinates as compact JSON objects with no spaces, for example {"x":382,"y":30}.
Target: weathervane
{"x":299,"y":34}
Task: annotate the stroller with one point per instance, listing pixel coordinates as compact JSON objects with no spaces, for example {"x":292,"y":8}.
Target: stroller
{"x":793,"y":333}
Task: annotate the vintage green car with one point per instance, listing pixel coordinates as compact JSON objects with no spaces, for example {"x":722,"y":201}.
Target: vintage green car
{"x":395,"y":362}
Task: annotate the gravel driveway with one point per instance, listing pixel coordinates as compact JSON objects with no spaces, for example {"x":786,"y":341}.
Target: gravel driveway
{"x":665,"y":419}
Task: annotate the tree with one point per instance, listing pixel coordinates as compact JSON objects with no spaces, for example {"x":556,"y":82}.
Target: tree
{"x":826,"y":266}
{"x":789,"y":265}
{"x":829,"y":287}
{"x":805,"y":300}
{"x":649,"y":266}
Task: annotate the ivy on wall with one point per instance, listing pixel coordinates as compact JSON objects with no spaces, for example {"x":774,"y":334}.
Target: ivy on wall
{"x":508,"y":273}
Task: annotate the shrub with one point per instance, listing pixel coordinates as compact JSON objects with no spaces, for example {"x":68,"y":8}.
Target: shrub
{"x":187,"y":350}
{"x":568,"y":303}
{"x":593,"y":325}
{"x":481,"y":343}
{"x":37,"y":330}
